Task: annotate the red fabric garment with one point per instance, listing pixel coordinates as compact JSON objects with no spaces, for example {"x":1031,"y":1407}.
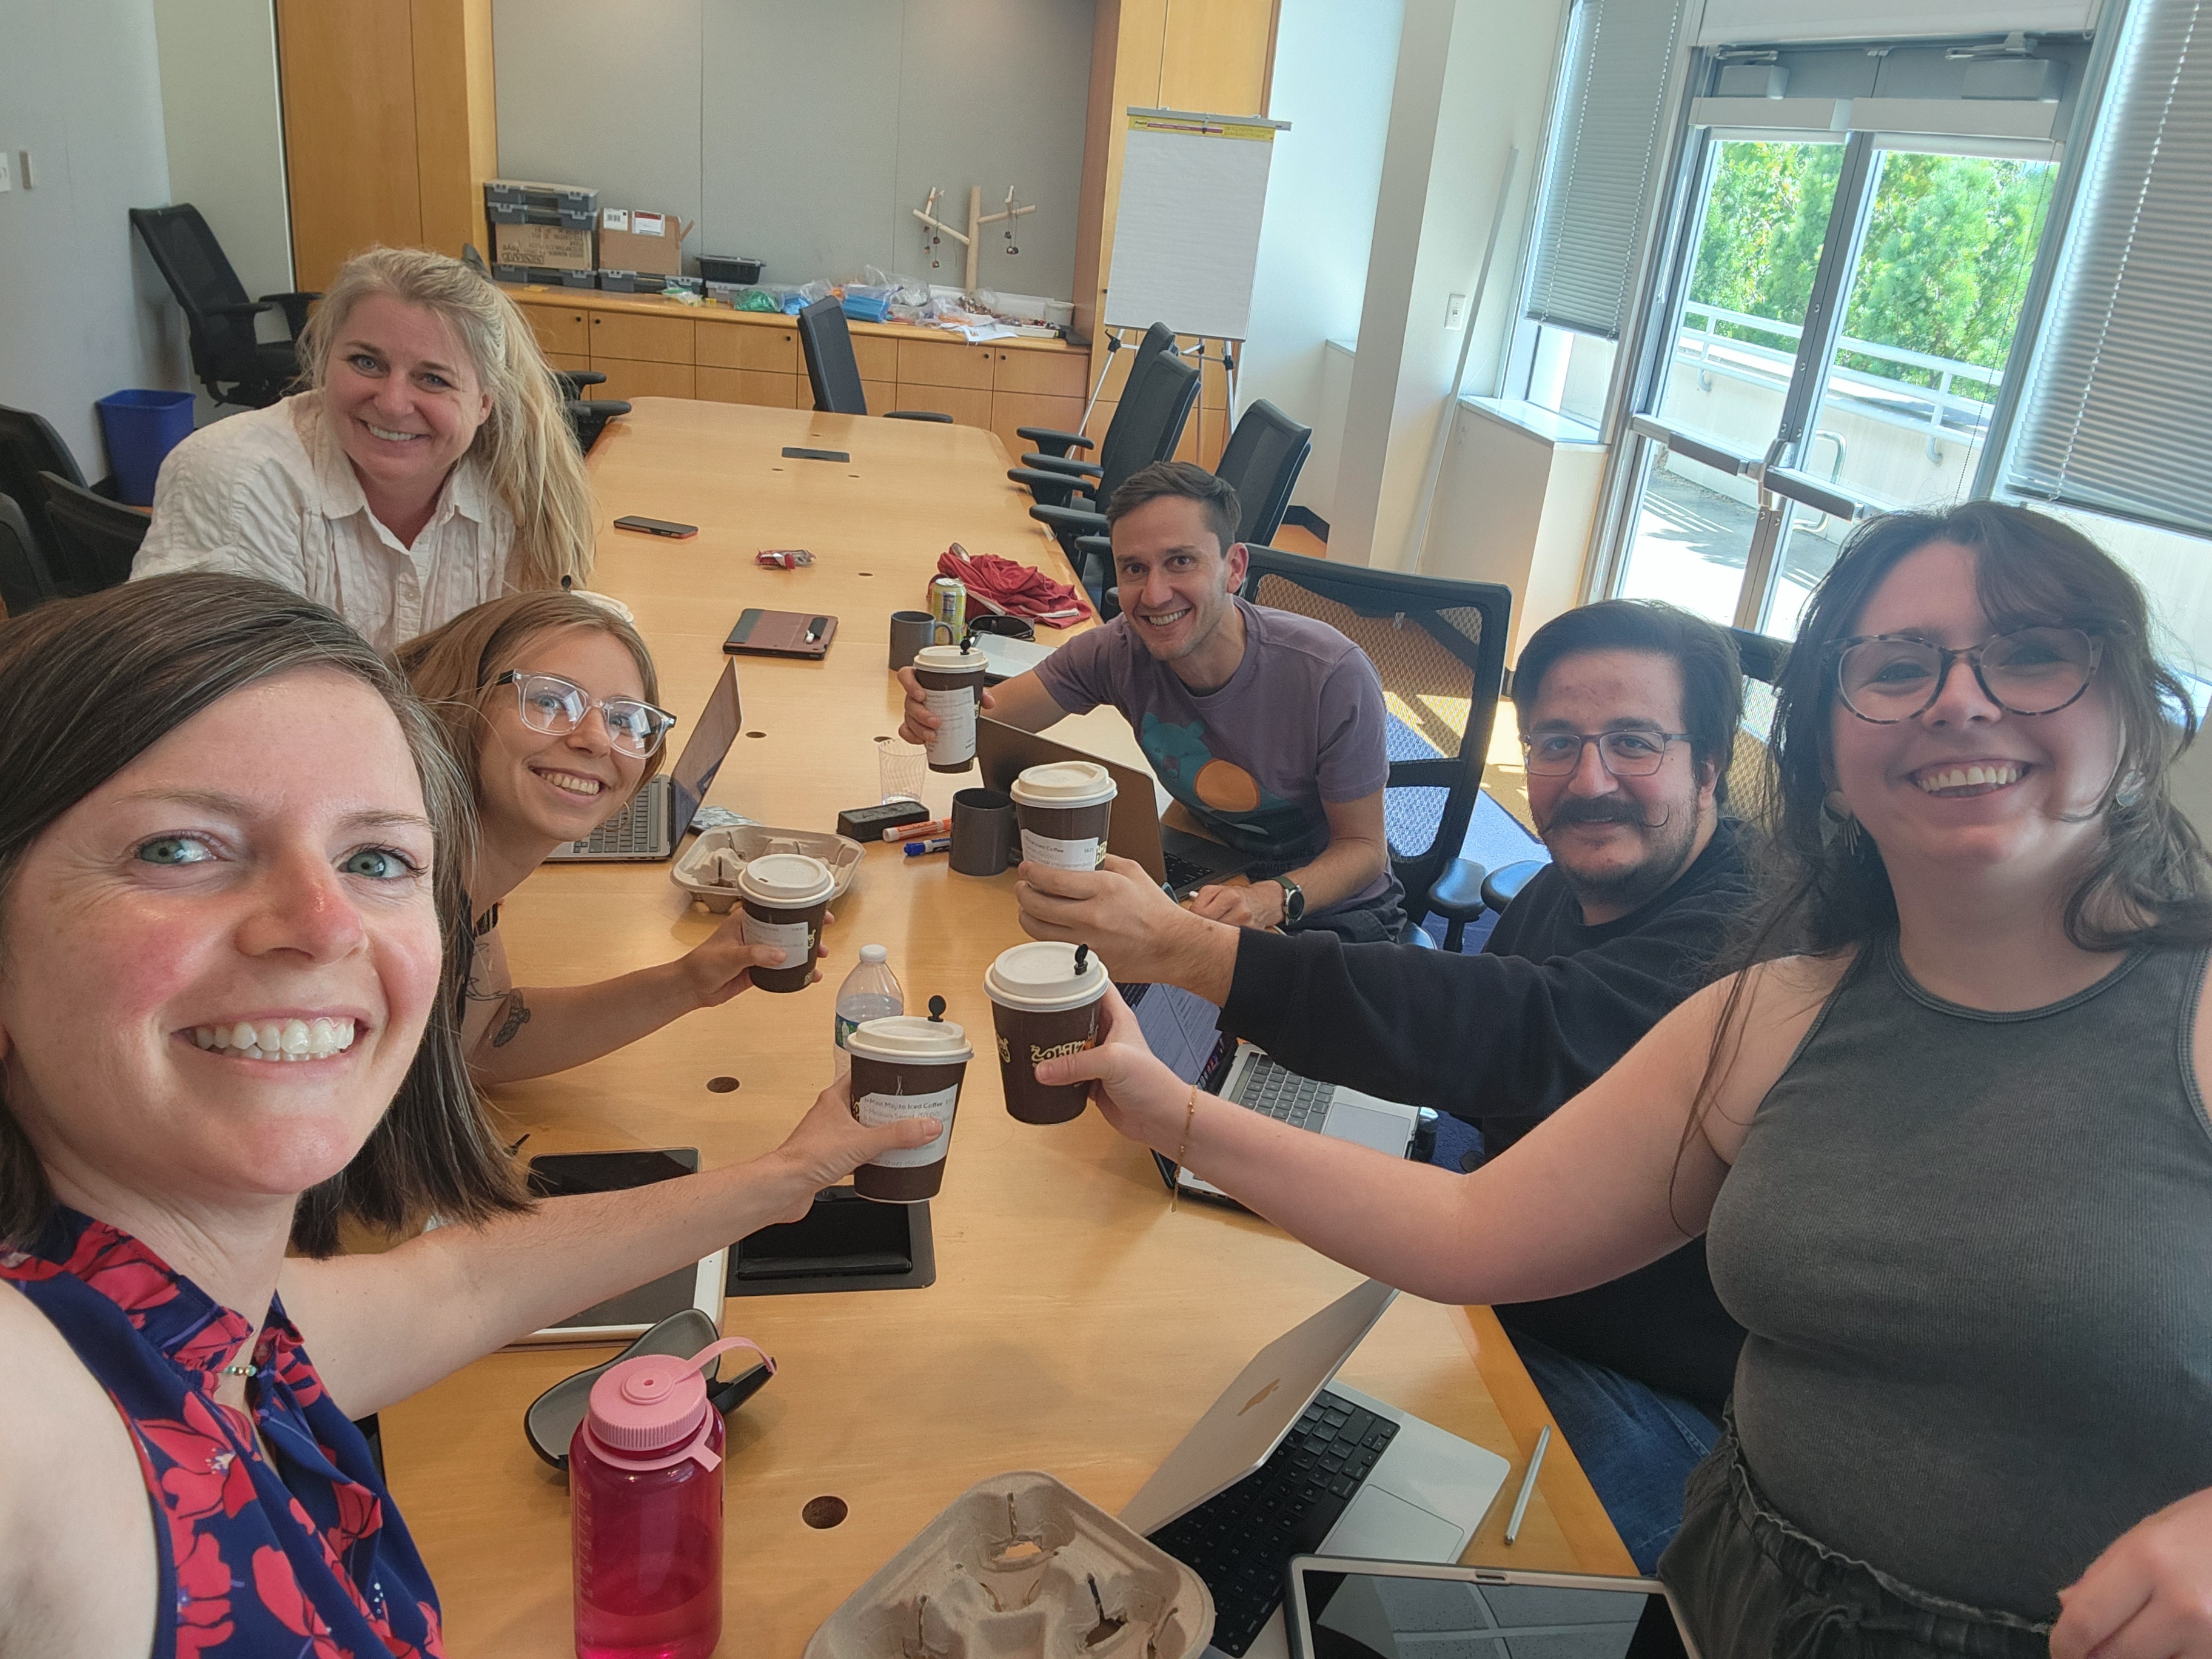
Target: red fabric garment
{"x":1014,"y":590}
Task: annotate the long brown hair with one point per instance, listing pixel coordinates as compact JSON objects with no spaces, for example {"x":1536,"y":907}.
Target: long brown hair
{"x":95,"y":682}
{"x":451,"y":667}
{"x":1824,"y":891}
{"x":526,"y":445}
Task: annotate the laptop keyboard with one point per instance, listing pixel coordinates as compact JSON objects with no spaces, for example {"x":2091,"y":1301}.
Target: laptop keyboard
{"x":1183,"y":872}
{"x":630,"y":831}
{"x":1274,"y":1091}
{"x":1241,"y":1542}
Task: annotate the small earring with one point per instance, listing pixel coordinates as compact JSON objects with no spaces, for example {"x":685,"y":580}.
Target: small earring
{"x":1838,"y":812}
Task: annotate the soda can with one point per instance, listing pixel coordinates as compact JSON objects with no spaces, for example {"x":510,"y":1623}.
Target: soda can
{"x":948,"y":602}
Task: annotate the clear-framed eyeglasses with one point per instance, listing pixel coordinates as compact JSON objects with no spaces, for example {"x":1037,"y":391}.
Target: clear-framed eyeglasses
{"x":1884,"y":679}
{"x":1624,"y":754}
{"x":557,"y":707}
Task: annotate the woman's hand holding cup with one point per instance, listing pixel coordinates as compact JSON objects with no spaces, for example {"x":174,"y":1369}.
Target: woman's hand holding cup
{"x":1140,"y":1096}
{"x":830,"y":1143}
{"x":714,"y":971}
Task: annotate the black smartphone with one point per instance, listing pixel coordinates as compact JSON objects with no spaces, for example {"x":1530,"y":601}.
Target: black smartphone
{"x":667,"y":527}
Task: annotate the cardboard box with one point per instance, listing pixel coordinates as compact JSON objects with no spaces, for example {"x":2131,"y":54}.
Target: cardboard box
{"x":632,"y":239}
{"x":551,"y":247}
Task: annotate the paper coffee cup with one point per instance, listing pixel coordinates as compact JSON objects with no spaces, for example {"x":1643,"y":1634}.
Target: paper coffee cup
{"x":951,"y":682}
{"x":784,"y":895}
{"x":905,"y":1065}
{"x":1043,"y":1008}
{"x":1064,"y":808}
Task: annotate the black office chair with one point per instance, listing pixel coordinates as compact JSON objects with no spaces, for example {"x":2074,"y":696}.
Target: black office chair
{"x":587,"y":416}
{"x":834,"y":372}
{"x":25,"y":581}
{"x":1162,"y":401}
{"x":1439,"y":648}
{"x":1261,"y":464}
{"x":234,"y":366}
{"x":1053,"y":445}
{"x":29,"y":447}
{"x":98,"y":539}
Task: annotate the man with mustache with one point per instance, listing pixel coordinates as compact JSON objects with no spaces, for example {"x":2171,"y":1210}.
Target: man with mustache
{"x":1628,"y":711}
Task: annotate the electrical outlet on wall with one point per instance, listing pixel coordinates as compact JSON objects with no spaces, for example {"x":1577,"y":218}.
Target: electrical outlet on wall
{"x":29,"y":183}
{"x":1454,"y":311}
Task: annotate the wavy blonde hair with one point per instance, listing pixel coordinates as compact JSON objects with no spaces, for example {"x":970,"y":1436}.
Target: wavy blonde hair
{"x":526,"y":444}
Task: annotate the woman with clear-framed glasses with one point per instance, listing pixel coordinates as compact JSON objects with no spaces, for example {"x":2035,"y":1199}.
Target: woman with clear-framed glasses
{"x":1942,"y":1128}
{"x":548,"y":702}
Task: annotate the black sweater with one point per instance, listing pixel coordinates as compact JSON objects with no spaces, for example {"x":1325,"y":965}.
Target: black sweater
{"x":1504,"y":1039}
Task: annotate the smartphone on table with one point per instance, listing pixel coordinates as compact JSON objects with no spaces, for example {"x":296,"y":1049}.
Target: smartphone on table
{"x":667,"y":527}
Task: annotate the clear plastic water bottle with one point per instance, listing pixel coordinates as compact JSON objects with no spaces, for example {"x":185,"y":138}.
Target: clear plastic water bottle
{"x":645,"y":1473}
{"x":870,"y":992}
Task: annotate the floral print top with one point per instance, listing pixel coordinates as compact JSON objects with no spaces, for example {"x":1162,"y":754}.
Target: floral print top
{"x":303,"y":1556}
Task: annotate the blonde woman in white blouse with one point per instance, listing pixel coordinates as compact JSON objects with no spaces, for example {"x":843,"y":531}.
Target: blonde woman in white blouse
{"x":428,"y":465}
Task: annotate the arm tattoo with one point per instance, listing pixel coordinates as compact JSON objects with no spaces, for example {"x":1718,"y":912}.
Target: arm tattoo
{"x":518,"y":1016}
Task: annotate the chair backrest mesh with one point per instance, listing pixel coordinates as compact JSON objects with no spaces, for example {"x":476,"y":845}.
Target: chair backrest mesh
{"x":184,"y":249}
{"x":831,"y":368}
{"x":1149,"y":423}
{"x":29,"y":447}
{"x":98,"y":539}
{"x":1261,"y":463}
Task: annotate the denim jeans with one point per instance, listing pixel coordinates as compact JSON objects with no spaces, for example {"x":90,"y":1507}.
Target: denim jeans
{"x":1637,"y":1443}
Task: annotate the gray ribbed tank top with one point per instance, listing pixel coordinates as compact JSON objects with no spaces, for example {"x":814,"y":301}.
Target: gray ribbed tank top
{"x":1974,"y":1255}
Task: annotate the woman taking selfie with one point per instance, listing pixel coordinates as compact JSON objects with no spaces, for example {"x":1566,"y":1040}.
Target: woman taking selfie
{"x":228,"y":841}
{"x":549,"y":705}
{"x":427,"y":467}
{"x":1951,"y":1158}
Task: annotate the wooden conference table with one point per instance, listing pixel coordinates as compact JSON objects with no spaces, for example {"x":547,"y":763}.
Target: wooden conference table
{"x":1076,"y":1326}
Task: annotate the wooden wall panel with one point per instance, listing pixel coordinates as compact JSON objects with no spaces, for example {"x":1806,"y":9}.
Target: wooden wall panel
{"x":350,"y":148}
{"x":1215,"y":56}
{"x":456,"y":134}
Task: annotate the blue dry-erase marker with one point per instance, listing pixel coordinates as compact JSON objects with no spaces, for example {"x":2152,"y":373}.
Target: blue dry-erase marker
{"x":914,"y":849}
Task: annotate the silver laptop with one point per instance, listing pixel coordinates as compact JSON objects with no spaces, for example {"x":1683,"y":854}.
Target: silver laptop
{"x":1180,"y":1027}
{"x":1421,"y":1499}
{"x":1180,"y":861}
{"x":653,"y":824}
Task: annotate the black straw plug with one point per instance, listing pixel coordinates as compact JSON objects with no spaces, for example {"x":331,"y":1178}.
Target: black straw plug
{"x":936,"y":1007}
{"x":1082,"y":955}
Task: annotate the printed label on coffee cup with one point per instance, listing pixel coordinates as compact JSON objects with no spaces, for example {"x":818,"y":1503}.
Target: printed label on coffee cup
{"x":875,"y":1110}
{"x":791,"y":935}
{"x":955,"y":737}
{"x":1040,"y":1053}
{"x":1085,"y":852}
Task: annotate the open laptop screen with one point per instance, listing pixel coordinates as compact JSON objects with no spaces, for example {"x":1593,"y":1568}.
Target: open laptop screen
{"x":701,"y":758}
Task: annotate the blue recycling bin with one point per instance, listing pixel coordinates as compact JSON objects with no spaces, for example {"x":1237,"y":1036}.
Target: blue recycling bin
{"x":141,"y":428}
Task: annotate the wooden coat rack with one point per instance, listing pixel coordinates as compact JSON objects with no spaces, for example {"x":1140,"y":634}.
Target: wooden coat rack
{"x":972,"y":239}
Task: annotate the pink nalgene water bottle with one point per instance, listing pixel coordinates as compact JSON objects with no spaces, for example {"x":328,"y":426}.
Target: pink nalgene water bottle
{"x":645,"y":1470}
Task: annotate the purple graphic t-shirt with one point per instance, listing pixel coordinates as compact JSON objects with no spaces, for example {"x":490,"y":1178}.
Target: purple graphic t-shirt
{"x":1299,"y":723}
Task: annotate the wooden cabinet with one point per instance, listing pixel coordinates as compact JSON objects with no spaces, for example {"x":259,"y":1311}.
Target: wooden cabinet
{"x":752,"y":386}
{"x":561,"y":329}
{"x":627,"y":335}
{"x":773,"y":350}
{"x":876,"y":357}
{"x":573,"y":362}
{"x":883,"y":395}
{"x":641,"y":379}
{"x":946,"y":363}
{"x":1058,"y":374}
{"x":966,"y":406}
{"x":1012,"y":409}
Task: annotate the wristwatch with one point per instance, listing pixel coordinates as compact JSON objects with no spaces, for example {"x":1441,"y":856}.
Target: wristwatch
{"x":1294,"y":900}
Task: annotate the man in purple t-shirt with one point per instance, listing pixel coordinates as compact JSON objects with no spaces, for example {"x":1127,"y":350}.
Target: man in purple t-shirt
{"x":1266,"y":727}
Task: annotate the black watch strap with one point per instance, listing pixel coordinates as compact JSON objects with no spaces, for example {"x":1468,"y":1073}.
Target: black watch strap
{"x":1294,"y":899}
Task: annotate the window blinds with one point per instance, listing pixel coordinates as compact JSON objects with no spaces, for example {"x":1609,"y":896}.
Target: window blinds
{"x":2116,"y":413}
{"x":1606,"y":154}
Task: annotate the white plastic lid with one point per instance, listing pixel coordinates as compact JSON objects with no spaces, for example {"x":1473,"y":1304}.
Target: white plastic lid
{"x":874,"y":953}
{"x":949,"y":659}
{"x":910,"y":1038}
{"x":1063,"y":784}
{"x":786,"y":880}
{"x":1041,"y":978}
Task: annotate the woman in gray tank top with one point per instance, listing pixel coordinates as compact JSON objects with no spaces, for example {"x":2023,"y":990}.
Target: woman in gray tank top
{"x":1952,"y":1153}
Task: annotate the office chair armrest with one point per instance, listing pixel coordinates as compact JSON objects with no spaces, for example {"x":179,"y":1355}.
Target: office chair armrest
{"x":1503,"y":885}
{"x":1456,"y":894}
{"x":1054,"y":444}
{"x":1053,"y":488}
{"x":572,"y":381}
{"x":1095,"y":547}
{"x":296,"y":308}
{"x":918,"y":415}
{"x":1070,"y":521}
{"x":243,"y":308}
{"x":1068,"y":465}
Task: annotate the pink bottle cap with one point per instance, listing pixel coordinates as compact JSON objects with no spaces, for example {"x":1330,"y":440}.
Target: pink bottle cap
{"x":656,"y":1404}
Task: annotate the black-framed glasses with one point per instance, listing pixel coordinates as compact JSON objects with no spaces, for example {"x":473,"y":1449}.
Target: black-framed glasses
{"x":1884,"y":679}
{"x":557,"y":707}
{"x":1624,"y":754}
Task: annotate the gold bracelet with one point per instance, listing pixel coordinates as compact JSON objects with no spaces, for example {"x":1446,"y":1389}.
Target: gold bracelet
{"x":1189,"y":1116}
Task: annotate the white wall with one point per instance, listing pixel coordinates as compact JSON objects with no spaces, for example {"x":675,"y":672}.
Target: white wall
{"x":225,"y":130}
{"x":86,"y":314}
{"x":1473,"y":83}
{"x":805,"y":134}
{"x":1335,"y":63}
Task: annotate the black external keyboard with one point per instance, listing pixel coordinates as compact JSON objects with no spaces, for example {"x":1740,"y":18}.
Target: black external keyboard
{"x":1274,"y":1091}
{"x":1183,"y":872}
{"x":1242,"y":1541}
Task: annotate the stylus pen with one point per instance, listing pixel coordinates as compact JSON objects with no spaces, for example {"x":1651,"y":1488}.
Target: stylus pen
{"x":1528,"y":1483}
